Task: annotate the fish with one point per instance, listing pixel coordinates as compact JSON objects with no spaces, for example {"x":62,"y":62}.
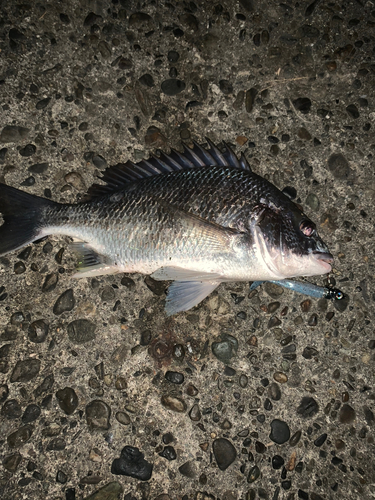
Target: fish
{"x":198,"y":218}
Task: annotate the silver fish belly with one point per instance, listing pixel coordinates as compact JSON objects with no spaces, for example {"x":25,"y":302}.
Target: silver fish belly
{"x":198,"y":218}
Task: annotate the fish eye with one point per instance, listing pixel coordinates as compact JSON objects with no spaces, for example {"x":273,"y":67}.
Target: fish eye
{"x":307,"y":228}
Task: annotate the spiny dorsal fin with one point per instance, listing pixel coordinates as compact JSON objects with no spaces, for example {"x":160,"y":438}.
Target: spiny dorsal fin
{"x":121,"y":175}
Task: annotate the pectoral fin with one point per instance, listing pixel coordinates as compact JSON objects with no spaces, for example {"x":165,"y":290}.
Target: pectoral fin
{"x":183,"y":295}
{"x":91,"y":263}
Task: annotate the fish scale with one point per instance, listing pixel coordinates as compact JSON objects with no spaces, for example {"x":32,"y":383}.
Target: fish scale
{"x":177,"y":220}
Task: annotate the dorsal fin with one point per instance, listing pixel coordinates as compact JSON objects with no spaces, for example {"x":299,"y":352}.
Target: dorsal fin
{"x":121,"y":175}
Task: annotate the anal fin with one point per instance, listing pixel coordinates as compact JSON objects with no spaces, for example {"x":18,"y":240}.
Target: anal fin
{"x":183,"y":295}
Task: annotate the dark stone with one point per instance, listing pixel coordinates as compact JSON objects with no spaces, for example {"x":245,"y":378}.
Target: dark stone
{"x":347,"y":414}
{"x":25,"y":370}
{"x":133,"y":464}
{"x":339,"y":167}
{"x":280,"y":432}
{"x":172,"y":86}
{"x":11,"y":462}
{"x":195,"y":413}
{"x":254,"y":474}
{"x":226,"y":349}
{"x":81,"y":331}
{"x":308,"y":407}
{"x":156,"y":287}
{"x":174,"y":377}
{"x":302,"y":104}
{"x":274,"y":391}
{"x":226,"y":87}
{"x":38,"y":168}
{"x":13,"y":133}
{"x":56,"y":444}
{"x":45,"y":386}
{"x":224,"y":452}
{"x":147,"y":80}
{"x":99,"y":162}
{"x":43,"y":103}
{"x":11,"y":409}
{"x":50,"y":282}
{"x":320,"y":440}
{"x":277,"y":462}
{"x":61,"y":477}
{"x":19,"y":267}
{"x":67,"y":399}
{"x":64,"y":303}
{"x":187,"y":469}
{"x":31,"y":413}
{"x":4,"y":392}
{"x":20,"y":436}
{"x":352,"y":111}
{"x":169,"y":453}
{"x":128,"y":282}
{"x":98,"y":414}
{"x":173,"y":56}
{"x":309,"y":352}
{"x":38,"y":331}
{"x":111,"y":491}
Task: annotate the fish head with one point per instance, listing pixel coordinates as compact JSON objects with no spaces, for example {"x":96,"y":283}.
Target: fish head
{"x":289,"y":242}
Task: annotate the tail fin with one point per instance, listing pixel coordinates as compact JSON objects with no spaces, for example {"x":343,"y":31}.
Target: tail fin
{"x":22,"y":215}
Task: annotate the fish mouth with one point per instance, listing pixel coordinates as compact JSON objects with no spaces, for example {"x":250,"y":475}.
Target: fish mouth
{"x":325,"y":259}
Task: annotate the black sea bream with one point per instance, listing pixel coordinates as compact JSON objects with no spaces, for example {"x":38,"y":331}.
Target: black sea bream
{"x":199,"y":218}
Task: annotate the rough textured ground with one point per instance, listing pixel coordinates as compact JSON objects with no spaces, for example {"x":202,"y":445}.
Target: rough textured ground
{"x":85,"y":84}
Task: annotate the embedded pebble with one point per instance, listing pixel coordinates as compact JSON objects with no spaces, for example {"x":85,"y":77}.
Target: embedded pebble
{"x":25,"y":370}
{"x":188,"y":469}
{"x":98,"y":414}
{"x":174,"y":377}
{"x":280,"y":377}
{"x":133,"y":464}
{"x":67,"y":399}
{"x":31,"y":413}
{"x":111,"y":491}
{"x":338,"y":166}
{"x":13,"y":133}
{"x":347,"y":414}
{"x":169,"y":453}
{"x":226,"y":349}
{"x":81,"y":331}
{"x":11,"y":410}
{"x":308,"y":407}
{"x":50,"y":282}
{"x":11,"y":462}
{"x":224,"y":452}
{"x":172,"y":87}
{"x":254,"y":474}
{"x":20,"y":436}
{"x":173,"y":403}
{"x":65,"y":302}
{"x":123,"y":418}
{"x":38,"y":331}
{"x":195,"y":413}
{"x":280,"y":432}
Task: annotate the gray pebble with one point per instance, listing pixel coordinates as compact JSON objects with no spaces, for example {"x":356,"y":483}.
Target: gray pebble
{"x":313,"y":201}
{"x":25,"y":370}
{"x":65,"y":302}
{"x":308,"y":407}
{"x":347,"y":414}
{"x":56,"y":444}
{"x":99,"y":162}
{"x":81,"y":331}
{"x":98,"y":414}
{"x":226,"y":349}
{"x":123,"y":418}
{"x":195,"y":413}
{"x":188,"y":470}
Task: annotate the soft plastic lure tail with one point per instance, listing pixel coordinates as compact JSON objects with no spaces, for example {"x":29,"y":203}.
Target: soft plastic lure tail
{"x":318,"y":292}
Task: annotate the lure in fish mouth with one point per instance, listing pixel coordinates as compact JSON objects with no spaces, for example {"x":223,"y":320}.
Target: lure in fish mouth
{"x":198,"y":217}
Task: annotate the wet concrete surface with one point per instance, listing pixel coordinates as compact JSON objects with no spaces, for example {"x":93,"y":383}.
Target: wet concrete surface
{"x":262,"y":395}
